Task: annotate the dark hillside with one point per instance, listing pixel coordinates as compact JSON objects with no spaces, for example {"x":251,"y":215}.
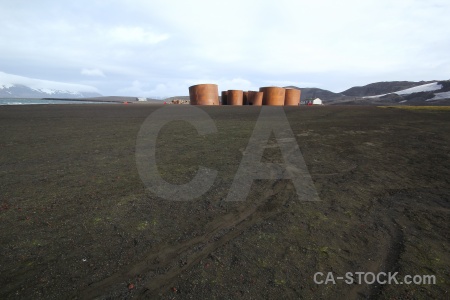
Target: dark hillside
{"x":379,"y":88}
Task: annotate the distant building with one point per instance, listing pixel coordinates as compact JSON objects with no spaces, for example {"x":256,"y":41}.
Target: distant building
{"x":317,"y":101}
{"x":141,"y":99}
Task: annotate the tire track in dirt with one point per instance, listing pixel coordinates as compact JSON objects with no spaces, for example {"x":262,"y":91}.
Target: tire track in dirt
{"x":163,"y":263}
{"x":388,"y":253}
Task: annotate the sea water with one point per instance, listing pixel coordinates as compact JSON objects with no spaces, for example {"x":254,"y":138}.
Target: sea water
{"x":23,"y":101}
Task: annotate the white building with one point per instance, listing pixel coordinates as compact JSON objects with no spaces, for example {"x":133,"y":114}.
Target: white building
{"x":317,"y":101}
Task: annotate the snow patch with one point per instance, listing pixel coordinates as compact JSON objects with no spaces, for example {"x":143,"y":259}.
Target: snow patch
{"x":421,"y":88}
{"x":439,"y":96}
{"x":434,"y":86}
{"x":47,"y":91}
{"x":53,"y":92}
{"x":6,"y":86}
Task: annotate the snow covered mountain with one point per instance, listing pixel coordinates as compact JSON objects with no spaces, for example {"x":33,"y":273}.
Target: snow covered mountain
{"x":15,"y":86}
{"x":22,"y":91}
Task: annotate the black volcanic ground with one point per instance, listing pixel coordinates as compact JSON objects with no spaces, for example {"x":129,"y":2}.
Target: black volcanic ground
{"x":77,"y":221}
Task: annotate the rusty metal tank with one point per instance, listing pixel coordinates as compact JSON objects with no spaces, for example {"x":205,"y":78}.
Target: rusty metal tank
{"x":204,"y":94}
{"x":224,"y":97}
{"x":273,"y":96}
{"x":292,"y":97}
{"x":255,"y":98}
{"x":235,"y":97}
{"x":245,"y":99}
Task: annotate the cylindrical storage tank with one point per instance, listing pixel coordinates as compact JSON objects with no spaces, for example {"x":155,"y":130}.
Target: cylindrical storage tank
{"x":292,"y":97}
{"x":224,"y":97}
{"x":235,"y":97}
{"x":255,"y":98}
{"x":273,"y":95}
{"x":204,"y":94}
{"x":245,"y":99}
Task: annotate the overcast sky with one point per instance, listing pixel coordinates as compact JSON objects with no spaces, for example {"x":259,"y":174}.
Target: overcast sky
{"x":155,"y":48}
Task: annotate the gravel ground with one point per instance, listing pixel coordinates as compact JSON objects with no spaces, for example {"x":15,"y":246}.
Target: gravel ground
{"x":78,"y":222}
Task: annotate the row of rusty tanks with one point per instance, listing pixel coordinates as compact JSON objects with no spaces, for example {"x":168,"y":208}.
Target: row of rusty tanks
{"x":208,"y":94}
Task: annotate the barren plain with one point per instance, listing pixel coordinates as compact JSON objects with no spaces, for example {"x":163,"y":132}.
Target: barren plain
{"x":77,"y":222}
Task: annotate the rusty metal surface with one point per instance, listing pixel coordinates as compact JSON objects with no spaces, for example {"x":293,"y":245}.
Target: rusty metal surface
{"x":235,"y":97}
{"x":245,"y":99}
{"x":255,"y":98}
{"x":273,"y":96}
{"x":204,"y":94}
{"x":224,"y":97}
{"x":292,"y":97}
